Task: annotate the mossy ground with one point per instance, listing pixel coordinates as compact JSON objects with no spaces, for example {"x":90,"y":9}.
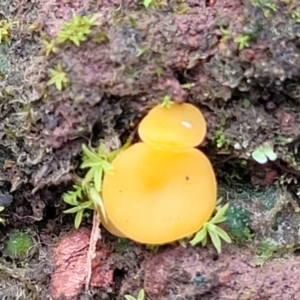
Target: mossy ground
{"x":243,"y":61}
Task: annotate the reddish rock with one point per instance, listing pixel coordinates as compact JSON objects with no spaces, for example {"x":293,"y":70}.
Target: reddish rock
{"x":69,"y":258}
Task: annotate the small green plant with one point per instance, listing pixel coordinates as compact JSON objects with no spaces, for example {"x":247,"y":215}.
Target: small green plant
{"x":98,"y":163}
{"x":76,"y":199}
{"x":58,"y":77}
{"x":214,"y":231}
{"x":141,"y":296}
{"x":266,"y":5}
{"x":5,"y":30}
{"x":166,"y":102}
{"x":264,"y":152}
{"x":219,"y":138}
{"x":243,"y":41}
{"x":50,"y":47}
{"x":154,"y":3}
{"x":18,"y":245}
{"x":225,"y":34}
{"x":295,"y":16}
{"x":87,"y":194}
{"x":78,"y":29}
{"x":159,"y":72}
{"x":187,"y":86}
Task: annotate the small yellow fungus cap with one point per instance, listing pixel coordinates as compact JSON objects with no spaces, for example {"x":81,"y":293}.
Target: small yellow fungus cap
{"x":157,"y":196}
{"x":179,"y":126}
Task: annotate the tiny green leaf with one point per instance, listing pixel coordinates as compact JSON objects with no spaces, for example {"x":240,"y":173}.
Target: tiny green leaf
{"x":89,"y":153}
{"x":182,"y":243}
{"x":128,"y":297}
{"x":147,"y":3}
{"x":199,"y":237}
{"x":220,"y":215}
{"x":259,"y":156}
{"x":78,"y":219}
{"x":269,"y":152}
{"x":187,"y":86}
{"x":89,"y":175}
{"x":264,"y":152}
{"x":73,"y":196}
{"x":210,"y":228}
{"x":96,"y":198}
{"x":214,"y":237}
{"x":72,"y":210}
{"x":141,"y":294}
{"x":223,"y":234}
{"x":58,"y":77}
{"x":98,"y":179}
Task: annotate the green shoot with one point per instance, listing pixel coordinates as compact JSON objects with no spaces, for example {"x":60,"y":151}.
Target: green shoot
{"x":77,"y":30}
{"x":151,"y":3}
{"x":166,"y":102}
{"x":5,"y":30}
{"x":50,"y":47}
{"x":98,"y":164}
{"x":141,"y":296}
{"x":215,"y":232}
{"x":243,"y":41}
{"x":74,"y":198}
{"x":187,"y":86}
{"x":225,"y":34}
{"x":58,"y":77}
{"x":295,"y":16}
{"x":159,"y":72}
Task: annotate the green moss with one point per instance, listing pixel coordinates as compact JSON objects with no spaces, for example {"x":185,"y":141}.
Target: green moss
{"x":267,"y":198}
{"x":19,"y":245}
{"x":266,"y":249}
{"x":121,"y":245}
{"x":77,"y":30}
{"x":238,"y":222}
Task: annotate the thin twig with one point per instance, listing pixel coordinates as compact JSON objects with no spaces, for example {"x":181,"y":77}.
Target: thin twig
{"x":91,"y":254}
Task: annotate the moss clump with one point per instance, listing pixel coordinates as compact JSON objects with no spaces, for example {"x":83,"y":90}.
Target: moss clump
{"x":238,"y":220}
{"x":19,"y":245}
{"x":121,"y":245}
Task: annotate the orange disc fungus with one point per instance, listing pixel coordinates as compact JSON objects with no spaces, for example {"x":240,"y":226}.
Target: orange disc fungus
{"x":110,"y":227}
{"x":179,"y":126}
{"x":162,"y":189}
